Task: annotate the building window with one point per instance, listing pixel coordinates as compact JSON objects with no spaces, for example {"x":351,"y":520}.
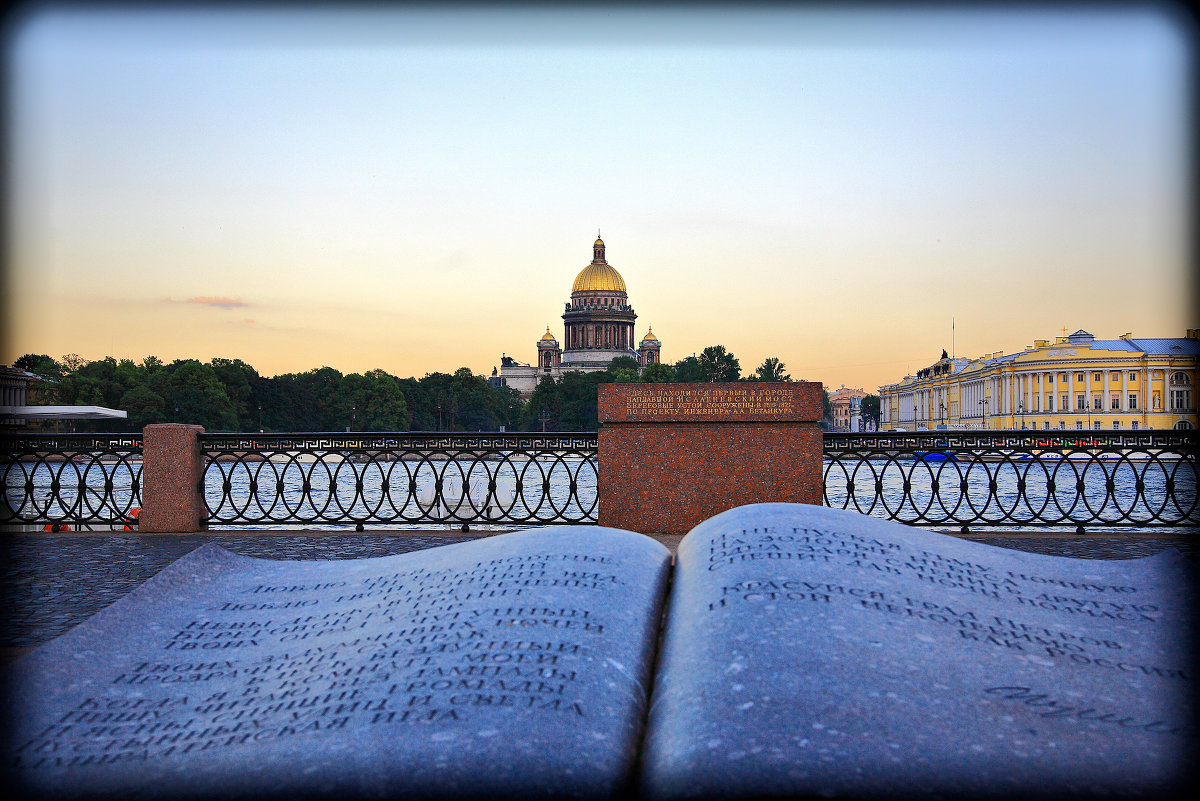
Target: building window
{"x":1116,"y":425}
{"x":1097,"y":403}
{"x":1133,"y":377}
{"x":1133,"y":425}
{"x":1078,"y":425}
{"x":1181,"y":399}
{"x":1097,"y":426}
{"x":1115,"y":402}
{"x":1079,"y":377}
{"x":1062,"y":424}
{"x":1065,"y":402}
{"x":1049,"y":379}
{"x":1097,"y":376}
{"x":1080,"y":401}
{"x":1045,"y":426}
{"x":1132,"y":400}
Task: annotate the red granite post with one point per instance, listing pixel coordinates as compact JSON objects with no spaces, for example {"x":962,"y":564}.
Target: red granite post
{"x":172,"y":471}
{"x":674,"y":455}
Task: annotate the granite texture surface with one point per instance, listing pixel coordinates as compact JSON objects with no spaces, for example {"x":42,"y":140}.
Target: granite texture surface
{"x":717,"y":403}
{"x":672,"y":455}
{"x":507,"y":667}
{"x":816,"y":653}
{"x":172,"y":469}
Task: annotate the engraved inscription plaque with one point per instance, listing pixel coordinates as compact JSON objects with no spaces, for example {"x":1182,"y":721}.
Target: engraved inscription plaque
{"x":815,"y":653}
{"x":507,"y":667}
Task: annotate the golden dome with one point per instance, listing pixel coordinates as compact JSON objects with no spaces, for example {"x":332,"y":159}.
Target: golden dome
{"x":547,"y":337}
{"x":650,"y":336}
{"x":599,"y":276}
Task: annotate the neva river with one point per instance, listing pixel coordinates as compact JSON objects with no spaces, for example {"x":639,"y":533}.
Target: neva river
{"x":334,"y":493}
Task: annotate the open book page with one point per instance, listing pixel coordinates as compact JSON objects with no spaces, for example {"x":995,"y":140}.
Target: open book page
{"x":817,"y":652}
{"x":508,"y":667}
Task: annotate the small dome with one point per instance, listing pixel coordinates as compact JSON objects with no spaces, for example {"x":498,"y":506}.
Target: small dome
{"x":650,"y":336}
{"x":547,"y":337}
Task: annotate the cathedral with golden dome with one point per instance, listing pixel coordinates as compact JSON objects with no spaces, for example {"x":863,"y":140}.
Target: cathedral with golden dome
{"x":598,"y":326}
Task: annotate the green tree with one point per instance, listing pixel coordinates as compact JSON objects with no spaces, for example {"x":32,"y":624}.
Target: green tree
{"x":623,"y":370}
{"x":144,"y":406}
{"x":719,"y":364}
{"x":377,"y":401}
{"x":39,"y":364}
{"x":870,"y":412}
{"x":546,"y":398}
{"x":658,"y":373}
{"x":771,"y":370}
{"x":243,"y":385}
{"x":690,"y":371}
{"x":195,"y":395}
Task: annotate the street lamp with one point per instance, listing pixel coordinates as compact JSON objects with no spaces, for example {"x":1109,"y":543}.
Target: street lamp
{"x":544,"y":416}
{"x":941,"y":412}
{"x":984,"y":404}
{"x":1021,"y":411}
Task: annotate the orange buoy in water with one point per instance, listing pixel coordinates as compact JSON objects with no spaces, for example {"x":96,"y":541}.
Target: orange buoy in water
{"x":131,"y":519}
{"x":56,"y":527}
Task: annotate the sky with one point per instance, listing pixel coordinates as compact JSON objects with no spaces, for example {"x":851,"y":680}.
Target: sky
{"x":414,"y":188}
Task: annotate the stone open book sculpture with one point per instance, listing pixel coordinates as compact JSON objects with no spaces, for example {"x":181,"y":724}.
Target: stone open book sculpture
{"x":804,"y":652}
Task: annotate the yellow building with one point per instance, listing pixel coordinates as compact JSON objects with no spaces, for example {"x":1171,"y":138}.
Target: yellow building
{"x":1076,"y":383}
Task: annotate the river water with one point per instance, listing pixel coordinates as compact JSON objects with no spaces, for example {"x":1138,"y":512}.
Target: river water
{"x":335,"y":493}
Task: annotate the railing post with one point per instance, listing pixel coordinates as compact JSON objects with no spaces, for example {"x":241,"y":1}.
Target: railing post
{"x":172,"y":472}
{"x":673,"y":455}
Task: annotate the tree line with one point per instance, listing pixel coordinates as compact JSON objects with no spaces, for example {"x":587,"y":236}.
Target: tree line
{"x":230,"y":395}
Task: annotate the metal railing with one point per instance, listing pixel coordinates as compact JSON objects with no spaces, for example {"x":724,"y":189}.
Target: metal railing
{"x":493,"y":478}
{"x":1136,"y":479}
{"x":1142,"y":479}
{"x":71,"y":480}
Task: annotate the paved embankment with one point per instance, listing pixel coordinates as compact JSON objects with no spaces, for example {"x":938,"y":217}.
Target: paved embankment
{"x":51,"y":582}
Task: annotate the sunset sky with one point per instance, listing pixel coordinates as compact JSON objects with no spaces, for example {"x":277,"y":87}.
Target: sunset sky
{"x":415,"y":188}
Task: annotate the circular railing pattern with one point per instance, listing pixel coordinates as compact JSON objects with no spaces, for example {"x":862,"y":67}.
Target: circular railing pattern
{"x":961,"y":479}
{"x":1143,"y":479}
{"x":528,"y":479}
{"x":71,"y":480}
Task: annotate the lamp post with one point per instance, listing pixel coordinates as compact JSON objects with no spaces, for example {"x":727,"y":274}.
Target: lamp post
{"x":1021,"y":411}
{"x":260,"y":425}
{"x":984,"y":403}
{"x":544,"y":416}
{"x":941,"y":412}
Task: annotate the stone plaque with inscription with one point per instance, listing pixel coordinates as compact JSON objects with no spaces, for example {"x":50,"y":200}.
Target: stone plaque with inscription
{"x":811,"y":652}
{"x":672,"y":455}
{"x":806,"y":652}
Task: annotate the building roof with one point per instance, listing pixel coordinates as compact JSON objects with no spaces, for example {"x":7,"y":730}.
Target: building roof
{"x":547,"y":337}
{"x":63,"y":412}
{"x":650,"y":335}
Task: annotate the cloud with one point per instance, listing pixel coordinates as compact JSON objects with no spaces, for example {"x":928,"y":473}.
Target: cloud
{"x":220,"y":303}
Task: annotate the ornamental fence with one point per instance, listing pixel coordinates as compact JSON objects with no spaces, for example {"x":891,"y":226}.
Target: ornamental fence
{"x":947,"y":479}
